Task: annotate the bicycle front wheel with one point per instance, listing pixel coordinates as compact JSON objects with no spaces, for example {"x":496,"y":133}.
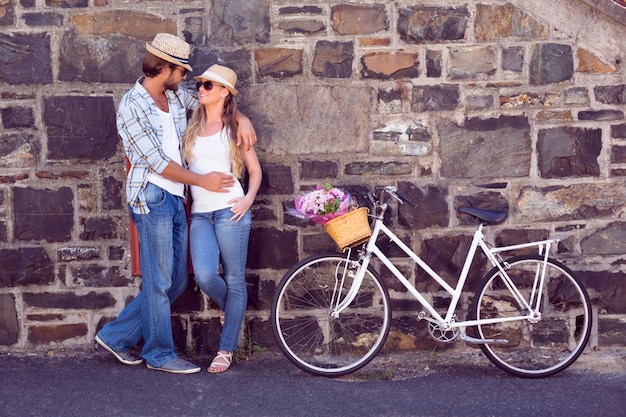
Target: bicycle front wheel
{"x":544,"y":345}
{"x":306,"y":331}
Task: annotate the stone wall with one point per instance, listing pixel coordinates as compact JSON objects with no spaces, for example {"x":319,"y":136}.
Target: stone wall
{"x":516,"y":106}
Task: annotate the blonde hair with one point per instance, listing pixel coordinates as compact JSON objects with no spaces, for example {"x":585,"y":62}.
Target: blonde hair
{"x":194,"y":129}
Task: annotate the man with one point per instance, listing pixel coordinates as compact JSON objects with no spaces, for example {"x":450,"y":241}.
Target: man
{"x":151,"y":120}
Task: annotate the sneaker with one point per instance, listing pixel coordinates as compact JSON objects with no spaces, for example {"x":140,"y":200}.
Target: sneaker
{"x":177,"y":366}
{"x":126,"y":358}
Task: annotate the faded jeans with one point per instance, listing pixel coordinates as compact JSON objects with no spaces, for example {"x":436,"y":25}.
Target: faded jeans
{"x":212,"y":237}
{"x":163,"y":236}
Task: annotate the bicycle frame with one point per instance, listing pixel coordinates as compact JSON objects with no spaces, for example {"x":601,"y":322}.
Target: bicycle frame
{"x":448,"y":322}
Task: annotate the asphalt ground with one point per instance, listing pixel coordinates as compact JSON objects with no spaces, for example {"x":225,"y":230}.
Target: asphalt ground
{"x":411,"y":384}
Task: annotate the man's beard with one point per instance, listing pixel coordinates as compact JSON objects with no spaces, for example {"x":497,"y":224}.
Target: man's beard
{"x":170,"y":85}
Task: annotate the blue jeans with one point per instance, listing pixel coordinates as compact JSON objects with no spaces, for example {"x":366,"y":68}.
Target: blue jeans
{"x":212,"y":237}
{"x":163,"y":238}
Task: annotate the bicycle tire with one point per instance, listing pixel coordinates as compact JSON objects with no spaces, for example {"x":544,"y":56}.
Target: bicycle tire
{"x":304,"y":329}
{"x":543,"y":348}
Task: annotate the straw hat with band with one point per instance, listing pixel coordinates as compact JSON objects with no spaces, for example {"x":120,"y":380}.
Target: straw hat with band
{"x":222,"y":75}
{"x":170,"y":48}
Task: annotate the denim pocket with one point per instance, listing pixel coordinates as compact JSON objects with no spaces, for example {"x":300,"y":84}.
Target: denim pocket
{"x":155,"y":195}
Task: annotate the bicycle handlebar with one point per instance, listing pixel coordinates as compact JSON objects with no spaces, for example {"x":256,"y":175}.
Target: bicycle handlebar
{"x":401,"y":196}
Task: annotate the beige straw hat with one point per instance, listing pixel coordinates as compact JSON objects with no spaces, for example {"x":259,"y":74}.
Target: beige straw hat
{"x":170,"y":48}
{"x":220,"y":74}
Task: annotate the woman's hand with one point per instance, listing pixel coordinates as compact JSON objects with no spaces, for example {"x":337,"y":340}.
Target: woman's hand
{"x":240,"y":207}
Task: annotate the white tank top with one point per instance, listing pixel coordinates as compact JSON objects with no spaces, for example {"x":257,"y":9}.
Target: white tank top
{"x":171,"y":148}
{"x":212,"y":153}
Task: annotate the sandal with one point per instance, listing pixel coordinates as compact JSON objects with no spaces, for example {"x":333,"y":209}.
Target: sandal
{"x":221,"y":362}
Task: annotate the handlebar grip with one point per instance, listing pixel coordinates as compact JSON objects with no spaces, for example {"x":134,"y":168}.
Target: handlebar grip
{"x":404,"y":197}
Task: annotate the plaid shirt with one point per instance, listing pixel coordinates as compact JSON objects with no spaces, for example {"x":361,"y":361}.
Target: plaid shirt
{"x":139,"y":125}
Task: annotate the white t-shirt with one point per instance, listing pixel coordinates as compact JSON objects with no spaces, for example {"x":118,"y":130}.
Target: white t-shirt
{"x":171,"y":148}
{"x":212,"y":153}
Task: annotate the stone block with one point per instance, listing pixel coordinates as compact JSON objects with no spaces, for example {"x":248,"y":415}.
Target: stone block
{"x":611,"y":331}
{"x":435,"y":98}
{"x":389,"y":101}
{"x":9,"y":326}
{"x":325,"y":118}
{"x":401,"y":137}
{"x":100,"y":276}
{"x":610,"y":94}
{"x":17,"y":117}
{"x":618,"y":131}
{"x":601,"y":115}
{"x":359,"y":19}
{"x":609,"y":240}
{"x":573,"y":202}
{"x":390,"y":65}
{"x":272,"y":248}
{"x":513,"y":59}
{"x":78,"y":253}
{"x":333,"y":59}
{"x":43,"y":19}
{"x":26,"y":59}
{"x":551,"y":63}
{"x":117,"y":253}
{"x":44,"y":335}
{"x":479,"y":102}
{"x":69,"y":300}
{"x":433,"y":24}
{"x":431,"y":209}
{"x":302,"y":27}
{"x":99,"y":228}
{"x":19,"y":150}
{"x":279,"y":63}
{"x":7,"y":13}
{"x":295,"y":10}
{"x":239,"y":23}
{"x":43,"y":214}
{"x":317,"y":170}
{"x":434,"y":63}
{"x":592,"y":63}
{"x":466,"y":150}
{"x":569,"y":152}
{"x":607,"y":290}
{"x":378,"y":169}
{"x":277,"y":179}
{"x":472,"y":62}
{"x":576,"y":96}
{"x":496,"y":22}
{"x":112,"y":198}
{"x":67,"y":3}
{"x":80,"y":127}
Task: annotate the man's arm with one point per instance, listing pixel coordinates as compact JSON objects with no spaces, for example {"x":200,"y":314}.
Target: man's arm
{"x":245,"y":131}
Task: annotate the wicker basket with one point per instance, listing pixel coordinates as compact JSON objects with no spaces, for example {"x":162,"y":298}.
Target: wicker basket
{"x":349,"y":229}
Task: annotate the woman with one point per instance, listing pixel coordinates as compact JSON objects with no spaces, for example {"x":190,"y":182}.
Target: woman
{"x":220,"y":221}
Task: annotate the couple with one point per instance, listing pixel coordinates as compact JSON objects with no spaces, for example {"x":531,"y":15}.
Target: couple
{"x":210,"y":155}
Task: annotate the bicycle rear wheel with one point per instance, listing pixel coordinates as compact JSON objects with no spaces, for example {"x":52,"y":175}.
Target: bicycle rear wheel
{"x":537,"y":348}
{"x":304,"y":328}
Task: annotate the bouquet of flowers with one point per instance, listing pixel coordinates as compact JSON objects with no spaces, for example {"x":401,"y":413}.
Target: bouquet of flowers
{"x":321,"y":205}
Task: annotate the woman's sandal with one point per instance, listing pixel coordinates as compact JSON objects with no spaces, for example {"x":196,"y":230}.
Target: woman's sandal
{"x":220,"y":363}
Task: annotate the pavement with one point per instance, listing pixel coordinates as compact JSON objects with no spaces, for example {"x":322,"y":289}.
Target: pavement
{"x":424,"y":384}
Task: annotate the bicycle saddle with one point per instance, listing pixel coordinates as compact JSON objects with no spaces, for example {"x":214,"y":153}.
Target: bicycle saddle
{"x":488,"y":216}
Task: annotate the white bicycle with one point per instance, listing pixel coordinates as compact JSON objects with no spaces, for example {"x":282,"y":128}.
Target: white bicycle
{"x":530,"y":315}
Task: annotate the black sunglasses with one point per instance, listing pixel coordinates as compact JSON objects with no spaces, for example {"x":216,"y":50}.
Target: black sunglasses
{"x":208,"y":85}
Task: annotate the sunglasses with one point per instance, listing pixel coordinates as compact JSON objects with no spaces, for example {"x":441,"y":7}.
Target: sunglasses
{"x":183,"y":71}
{"x":208,"y":85}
